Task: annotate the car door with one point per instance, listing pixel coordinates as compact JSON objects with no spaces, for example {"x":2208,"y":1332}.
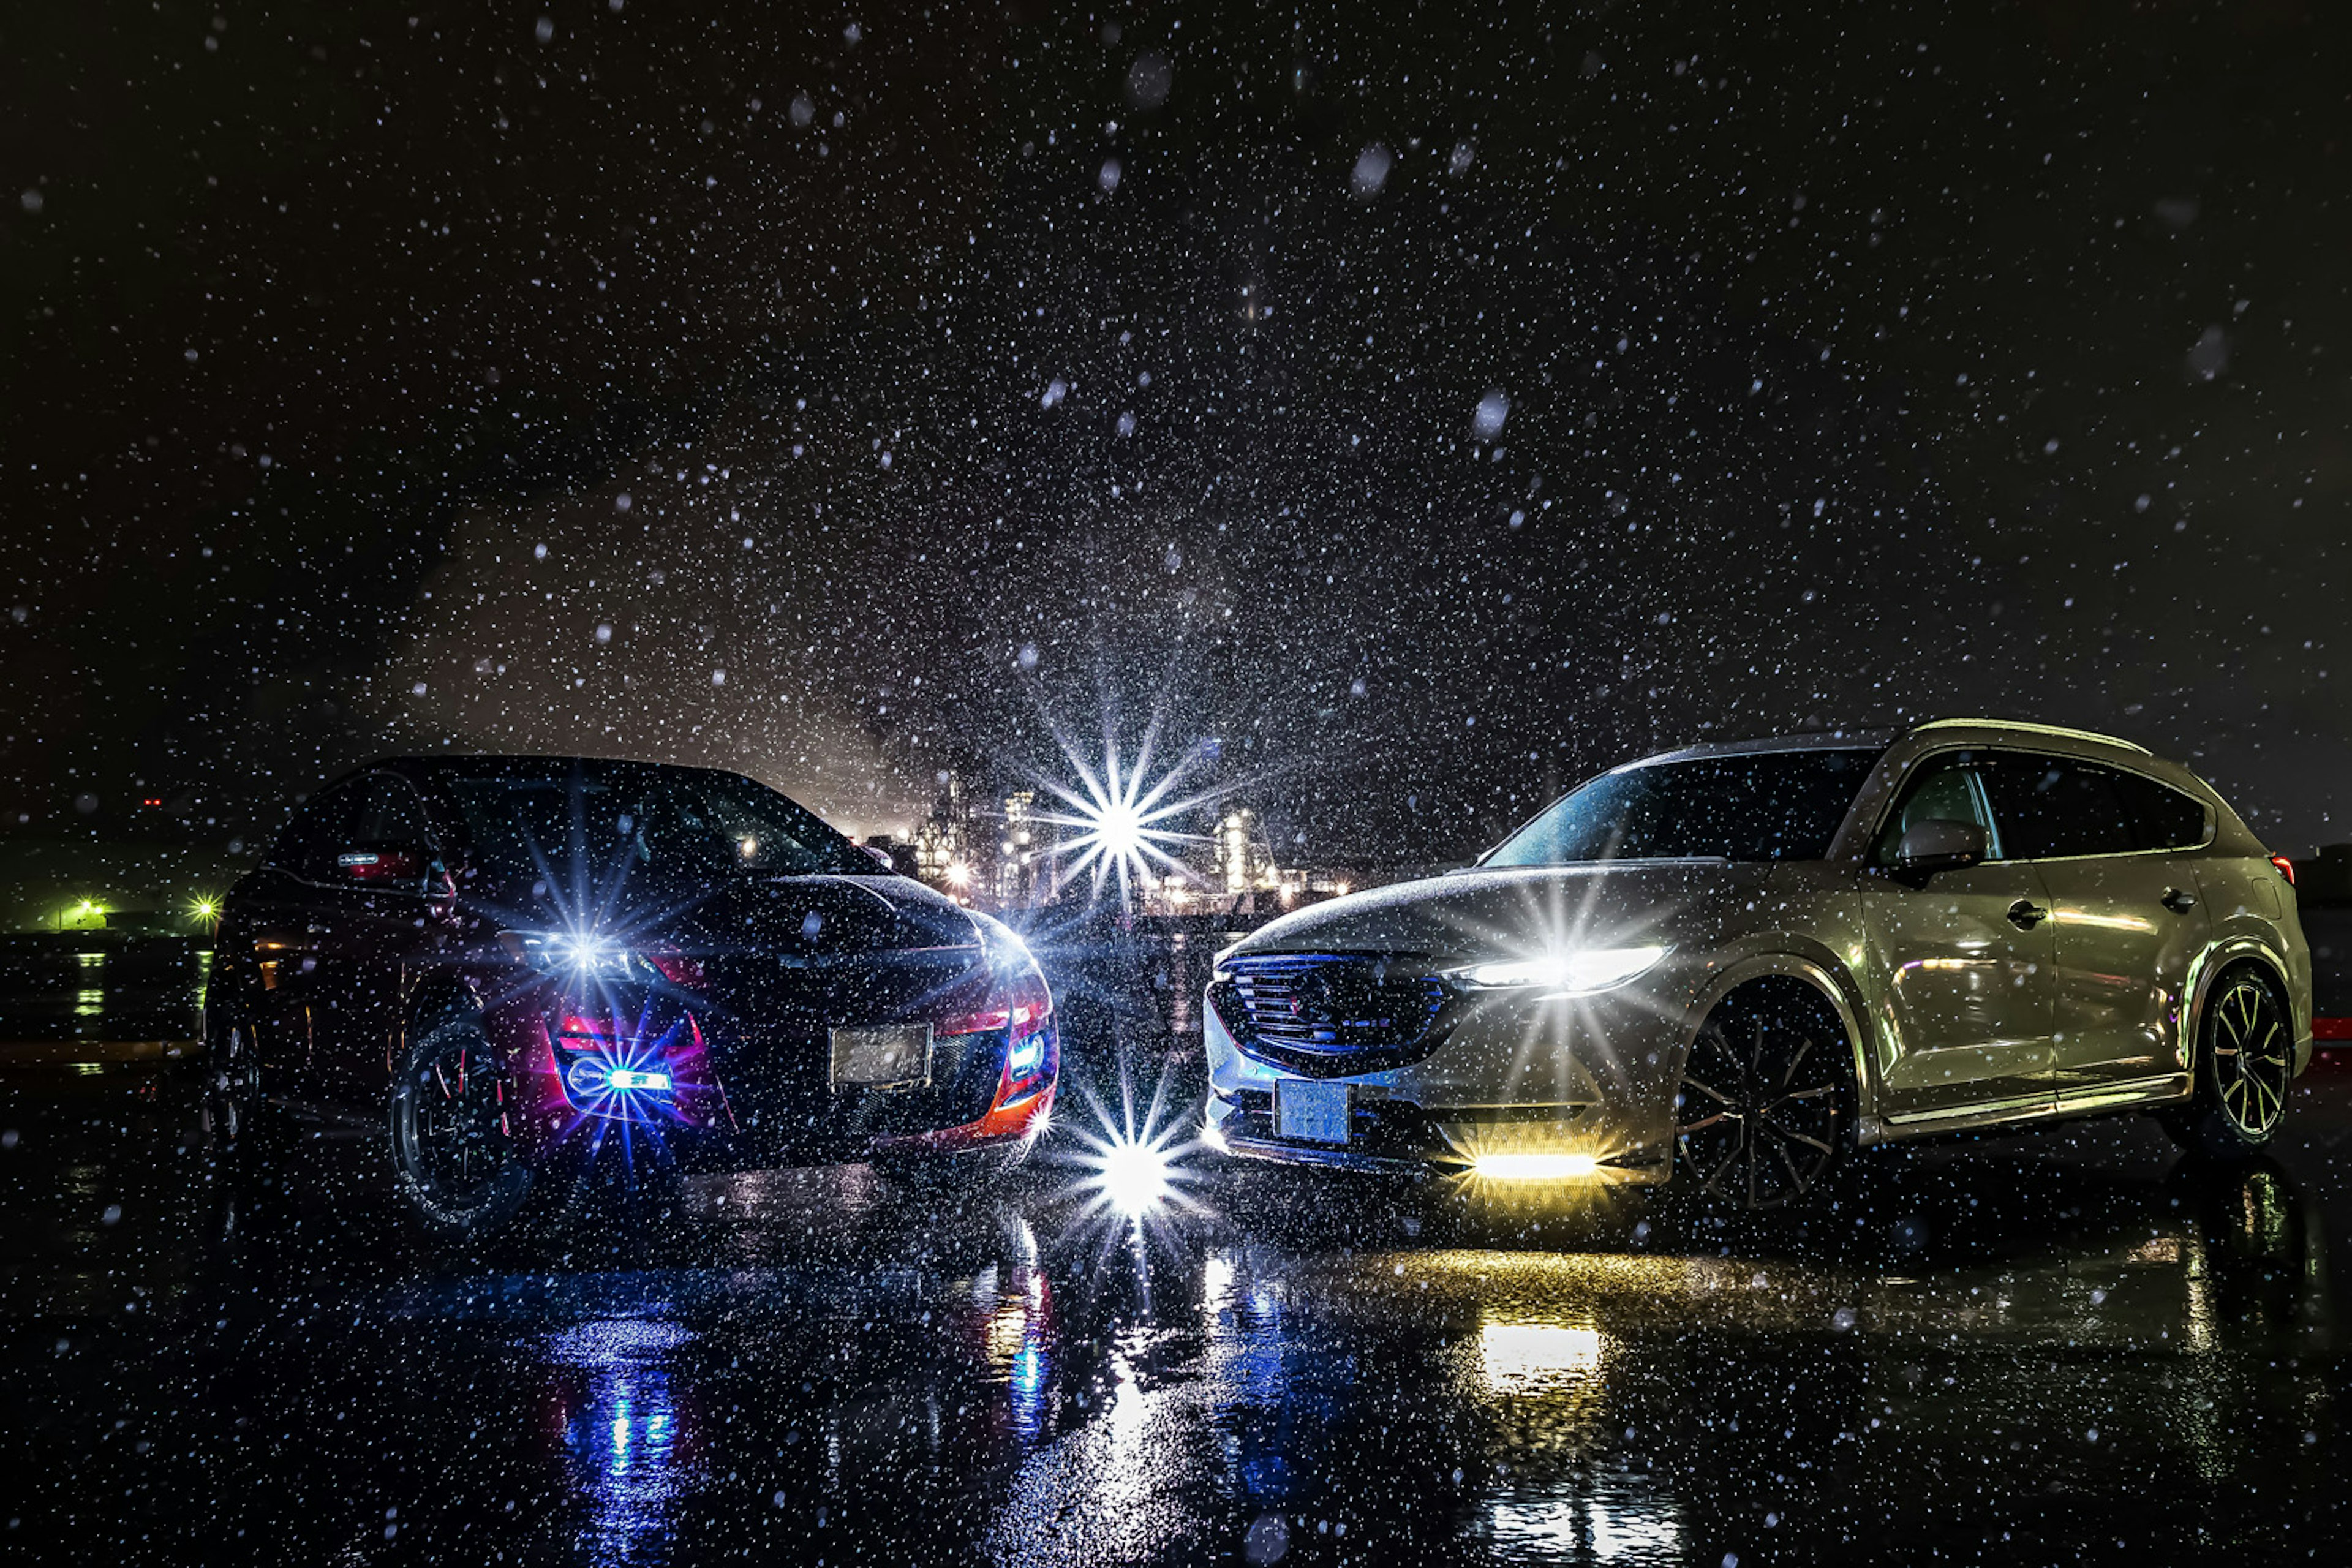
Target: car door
{"x":285,"y":916}
{"x":1960,"y":962}
{"x":2125,"y":914}
{"x":375,"y":919}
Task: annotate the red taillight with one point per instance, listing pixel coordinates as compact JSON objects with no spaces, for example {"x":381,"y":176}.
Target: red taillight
{"x":677,"y":969}
{"x":1020,"y":1005}
{"x":2285,"y":868}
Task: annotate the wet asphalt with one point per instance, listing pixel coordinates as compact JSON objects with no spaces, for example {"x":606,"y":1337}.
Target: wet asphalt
{"x":2045,"y":1348}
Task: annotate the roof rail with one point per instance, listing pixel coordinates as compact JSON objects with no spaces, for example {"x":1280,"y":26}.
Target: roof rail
{"x":2032,"y":728}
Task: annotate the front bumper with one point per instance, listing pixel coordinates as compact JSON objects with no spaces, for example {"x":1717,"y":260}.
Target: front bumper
{"x":1588,"y":1076}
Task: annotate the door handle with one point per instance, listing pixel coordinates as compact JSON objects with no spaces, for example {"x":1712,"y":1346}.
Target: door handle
{"x":2025,"y":914}
{"x":2179,"y":900}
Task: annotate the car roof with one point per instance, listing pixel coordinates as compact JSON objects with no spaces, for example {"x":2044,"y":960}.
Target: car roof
{"x":1872,"y":739}
{"x":517,"y":765}
{"x":1990,"y":731}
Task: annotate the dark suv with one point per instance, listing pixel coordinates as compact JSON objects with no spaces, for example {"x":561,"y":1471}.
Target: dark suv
{"x":520,"y":966}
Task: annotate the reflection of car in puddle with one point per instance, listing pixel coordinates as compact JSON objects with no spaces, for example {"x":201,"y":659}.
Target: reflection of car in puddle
{"x":1628,"y":1401}
{"x":919,"y":1370}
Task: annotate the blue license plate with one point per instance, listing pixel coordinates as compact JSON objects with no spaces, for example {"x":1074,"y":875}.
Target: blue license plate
{"x":1311,"y":1112}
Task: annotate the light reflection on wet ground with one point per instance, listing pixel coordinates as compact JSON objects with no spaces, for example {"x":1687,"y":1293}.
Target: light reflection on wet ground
{"x":2042,"y":1350}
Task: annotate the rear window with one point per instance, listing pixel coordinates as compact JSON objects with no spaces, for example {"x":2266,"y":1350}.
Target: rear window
{"x":1759,"y":806}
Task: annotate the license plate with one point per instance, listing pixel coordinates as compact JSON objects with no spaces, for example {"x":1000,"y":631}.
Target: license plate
{"x":1313,"y":1112}
{"x":895,"y":1056}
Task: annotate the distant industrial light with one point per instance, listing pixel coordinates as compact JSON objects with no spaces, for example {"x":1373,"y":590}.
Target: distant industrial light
{"x":1534,"y":1167}
{"x":958,"y":874}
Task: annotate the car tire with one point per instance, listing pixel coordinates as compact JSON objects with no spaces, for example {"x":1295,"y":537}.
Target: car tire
{"x":231,"y":1108}
{"x":2244,"y":1061}
{"x":1764,"y":1116}
{"x":459,"y":1171}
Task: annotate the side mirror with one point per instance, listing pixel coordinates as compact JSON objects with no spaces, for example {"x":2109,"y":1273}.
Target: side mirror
{"x":1940,"y":843}
{"x":881,"y":856}
{"x":393,"y":865}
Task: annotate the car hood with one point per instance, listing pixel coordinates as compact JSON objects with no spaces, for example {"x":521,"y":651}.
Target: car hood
{"x":828,"y":917}
{"x":1477,"y":915}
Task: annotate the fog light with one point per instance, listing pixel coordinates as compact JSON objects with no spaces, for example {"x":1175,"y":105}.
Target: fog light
{"x":1534,"y":1167}
{"x":628,"y":1078}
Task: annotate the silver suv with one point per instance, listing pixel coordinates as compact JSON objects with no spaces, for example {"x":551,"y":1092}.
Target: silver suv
{"x":1745,"y":961}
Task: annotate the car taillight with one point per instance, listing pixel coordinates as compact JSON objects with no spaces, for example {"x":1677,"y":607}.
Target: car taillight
{"x":1023,"y":1006}
{"x":2284,"y":867}
{"x":677,"y":969}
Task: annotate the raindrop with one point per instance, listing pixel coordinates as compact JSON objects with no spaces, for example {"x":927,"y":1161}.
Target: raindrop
{"x":1108,"y":178}
{"x":1371,"y":170}
{"x":2211,"y":356}
{"x":1493,"y":409}
{"x":1148,"y":80}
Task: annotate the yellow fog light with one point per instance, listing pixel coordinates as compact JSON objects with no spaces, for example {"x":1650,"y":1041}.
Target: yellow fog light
{"x":1534,"y":1167}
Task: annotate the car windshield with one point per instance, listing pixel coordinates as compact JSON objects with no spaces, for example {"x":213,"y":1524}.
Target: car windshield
{"x":1759,"y":806}
{"x":673,"y":825}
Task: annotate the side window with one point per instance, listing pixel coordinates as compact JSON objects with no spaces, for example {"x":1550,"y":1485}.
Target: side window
{"x":2048,"y":807}
{"x":390,"y":812}
{"x":1944,"y":790}
{"x":307,"y":847}
{"x":2161,"y":816}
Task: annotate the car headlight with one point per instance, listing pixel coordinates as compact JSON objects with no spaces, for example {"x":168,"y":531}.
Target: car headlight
{"x":1573,"y":972}
{"x":576,"y":954}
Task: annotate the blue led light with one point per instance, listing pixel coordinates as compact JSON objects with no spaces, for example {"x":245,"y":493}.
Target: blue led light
{"x":1027,"y":1054}
{"x":589,"y":1078}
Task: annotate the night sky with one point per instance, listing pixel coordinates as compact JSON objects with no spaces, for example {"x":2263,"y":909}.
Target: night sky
{"x":1406,"y":411}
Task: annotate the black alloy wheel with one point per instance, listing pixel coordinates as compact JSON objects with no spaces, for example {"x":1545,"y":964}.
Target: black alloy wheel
{"x":453,"y":1121}
{"x":2245,"y":1058}
{"x":1766,"y":1106}
{"x":232,"y":1080}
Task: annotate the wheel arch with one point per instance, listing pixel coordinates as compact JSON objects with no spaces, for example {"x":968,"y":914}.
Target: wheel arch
{"x":2206,"y":970}
{"x":1820,"y":973}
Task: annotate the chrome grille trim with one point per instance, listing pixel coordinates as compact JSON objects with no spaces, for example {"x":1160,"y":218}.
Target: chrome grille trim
{"x":1349,"y":1011}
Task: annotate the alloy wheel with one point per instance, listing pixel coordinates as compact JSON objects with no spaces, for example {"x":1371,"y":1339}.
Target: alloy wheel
{"x":1758,"y":1117}
{"x":2252,"y":1058}
{"x":453,"y":1124}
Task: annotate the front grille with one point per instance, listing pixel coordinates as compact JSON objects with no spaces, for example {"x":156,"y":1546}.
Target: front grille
{"x":1331,"y":1015}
